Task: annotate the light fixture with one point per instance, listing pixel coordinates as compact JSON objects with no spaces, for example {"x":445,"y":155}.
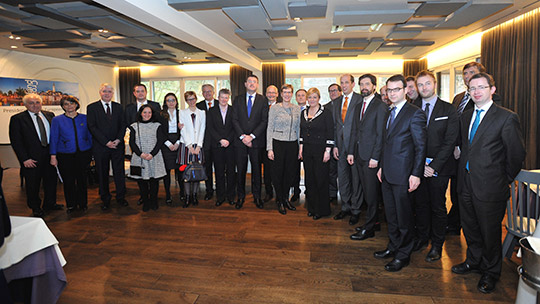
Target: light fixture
{"x":375,"y":27}
{"x":303,"y":41}
{"x":306,"y":53}
{"x":337,"y":29}
{"x":297,"y":19}
{"x":103,"y":31}
{"x":14,"y":47}
{"x":17,"y":38}
{"x":149,"y":51}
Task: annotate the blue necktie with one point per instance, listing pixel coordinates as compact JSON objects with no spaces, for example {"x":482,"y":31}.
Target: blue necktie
{"x":473,"y":130}
{"x":250,"y":104}
{"x":391,"y":118}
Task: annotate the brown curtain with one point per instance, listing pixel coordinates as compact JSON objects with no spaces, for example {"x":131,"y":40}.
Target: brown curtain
{"x":128,"y":77}
{"x":412,"y":67}
{"x":273,"y":74}
{"x":510,"y":54}
{"x":238,"y":76}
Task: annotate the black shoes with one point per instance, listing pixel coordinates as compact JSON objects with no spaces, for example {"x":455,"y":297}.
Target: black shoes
{"x":464,"y":268}
{"x":188,"y":201}
{"x":195,"y":201}
{"x":433,"y":255}
{"x":258,"y":203}
{"x":70,"y":210}
{"x":140,"y":201}
{"x":419,"y":244}
{"x":38,"y":213}
{"x":309,"y":214}
{"x":487,"y":283}
{"x":317,"y":217}
{"x":354,"y":219}
{"x":106,"y":205}
{"x":384,"y":254}
{"x":168,"y":201}
{"x":376,"y":227}
{"x":396,"y":264}
{"x":341,"y":215}
{"x":232,"y":202}
{"x":289,"y":206}
{"x":220,"y":201}
{"x":122,"y":202}
{"x":239,"y":203}
{"x":208,"y":196}
{"x":295,"y":197}
{"x":53,"y":207}
{"x":362,"y":235}
{"x":281,"y":208}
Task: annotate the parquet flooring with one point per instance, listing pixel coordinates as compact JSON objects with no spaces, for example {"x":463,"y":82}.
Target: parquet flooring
{"x":209,"y":254}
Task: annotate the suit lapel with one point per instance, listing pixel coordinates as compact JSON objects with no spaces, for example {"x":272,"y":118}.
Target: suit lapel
{"x":398,"y":118}
{"x":30,"y":123}
{"x":488,"y":119}
{"x":437,"y":109}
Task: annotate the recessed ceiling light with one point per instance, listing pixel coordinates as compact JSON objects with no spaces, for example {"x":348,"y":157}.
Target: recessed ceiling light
{"x":375,"y":27}
{"x":306,"y":53}
{"x":337,"y":29}
{"x":297,"y":19}
{"x":17,"y":38}
{"x":103,"y":31}
{"x":13,"y":46}
{"x":303,"y":41}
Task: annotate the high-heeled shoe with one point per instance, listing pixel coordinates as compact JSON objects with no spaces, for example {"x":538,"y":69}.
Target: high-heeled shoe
{"x":281,"y":208}
{"x":187,"y":202}
{"x":289,"y":205}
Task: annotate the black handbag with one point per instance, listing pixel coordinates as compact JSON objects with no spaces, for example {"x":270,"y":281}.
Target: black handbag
{"x":194,"y":172}
{"x":136,"y":170}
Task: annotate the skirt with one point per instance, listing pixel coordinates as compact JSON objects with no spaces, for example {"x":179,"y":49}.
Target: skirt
{"x":184,"y":157}
{"x":170,"y":157}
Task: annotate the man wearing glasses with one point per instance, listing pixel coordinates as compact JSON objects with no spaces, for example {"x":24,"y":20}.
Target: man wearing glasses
{"x":492,"y":153}
{"x":401,"y":166}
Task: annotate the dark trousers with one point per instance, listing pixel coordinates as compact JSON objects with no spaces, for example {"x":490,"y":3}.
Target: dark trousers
{"x":267,"y":163}
{"x":167,"y":182}
{"x":333,"y":186}
{"x":481,"y":222}
{"x":148,"y":188}
{"x":285,"y":159}
{"x":430,"y":210}
{"x":208,"y":161}
{"x":317,"y":176}
{"x":242,"y":153}
{"x":453,"y":215}
{"x":296,"y":179}
{"x":102,"y":158}
{"x":73,"y":167}
{"x":350,"y":189}
{"x":45,"y":173}
{"x":371,"y":188}
{"x":399,"y":215}
{"x":225,"y":172}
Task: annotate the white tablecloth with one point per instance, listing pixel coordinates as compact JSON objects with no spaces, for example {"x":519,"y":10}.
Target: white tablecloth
{"x":28,"y":235}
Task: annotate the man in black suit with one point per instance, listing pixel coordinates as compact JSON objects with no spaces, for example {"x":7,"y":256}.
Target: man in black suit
{"x":205,"y":105}
{"x":430,"y":197}
{"x":250,"y":118}
{"x":271,"y":96}
{"x":401,"y":166}
{"x":350,"y":190}
{"x":492,"y":153}
{"x":365,"y":150}
{"x":29,"y":133}
{"x":106,"y":124}
{"x":335,"y":92}
{"x":412,"y":90}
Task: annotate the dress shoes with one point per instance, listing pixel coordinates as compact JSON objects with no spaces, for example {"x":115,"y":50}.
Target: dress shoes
{"x":220,"y":201}
{"x":376,"y":227}
{"x":309,"y":214}
{"x":145,"y":207}
{"x":208,"y":196}
{"x":54,"y":207}
{"x":195,"y":201}
{"x":362,"y":235}
{"x":464,"y":268}
{"x":239,"y":203}
{"x":139,"y":202}
{"x":188,"y":202}
{"x":232,"y":202}
{"x":70,"y":210}
{"x":154,"y":206}
{"x":268,"y":197}
{"x":38,"y":213}
{"x":487,"y":283}
{"x":396,"y":264}
{"x":317,"y":217}
{"x":419,"y":244}
{"x":354,"y":219}
{"x":168,"y":201}
{"x":289,"y":206}
{"x":281,"y":208}
{"x":341,"y":215}
{"x":106,"y":205}
{"x":433,"y":255}
{"x":294,"y":197}
{"x":122,"y":202}
{"x":183,"y":197}
{"x":384,"y":254}
{"x":258,"y":202}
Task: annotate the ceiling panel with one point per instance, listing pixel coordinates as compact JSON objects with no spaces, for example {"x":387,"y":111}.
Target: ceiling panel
{"x":208,"y":4}
{"x":12,"y":12}
{"x":259,"y":34}
{"x":403,"y":34}
{"x":276,"y":9}
{"x":249,"y":17}
{"x":42,"y":10}
{"x":51,"y":35}
{"x":267,"y":43}
{"x":371,"y":17}
{"x":305,"y":10}
{"x":120,"y":26}
{"x":470,"y":13}
{"x":79,"y":9}
{"x":438,"y":8}
{"x":48,"y":23}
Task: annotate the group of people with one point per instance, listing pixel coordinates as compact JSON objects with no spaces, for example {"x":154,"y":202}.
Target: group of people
{"x":399,"y":148}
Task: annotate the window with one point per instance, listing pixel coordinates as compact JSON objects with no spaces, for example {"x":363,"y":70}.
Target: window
{"x":459,"y":85}
{"x":320,"y":83}
{"x":223,"y":84}
{"x":296,"y":83}
{"x":196,"y":86}
{"x":160,"y":88}
{"x":444,"y":85}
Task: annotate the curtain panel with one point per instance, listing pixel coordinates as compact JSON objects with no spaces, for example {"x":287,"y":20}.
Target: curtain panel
{"x":238,"y":76}
{"x":412,"y":67}
{"x":510,"y":53}
{"x":127,"y":78}
{"x":273,"y":74}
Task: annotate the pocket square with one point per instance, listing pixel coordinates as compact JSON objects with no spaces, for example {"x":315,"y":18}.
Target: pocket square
{"x":441,"y":118}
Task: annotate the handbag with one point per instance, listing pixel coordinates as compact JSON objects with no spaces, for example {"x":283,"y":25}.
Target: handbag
{"x":194,"y":172}
{"x":133,"y":169}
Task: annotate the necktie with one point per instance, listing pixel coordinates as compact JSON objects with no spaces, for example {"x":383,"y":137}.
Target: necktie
{"x":344,"y":109}
{"x":363,"y":109}
{"x":463,"y":103}
{"x":250,"y":104}
{"x":193,"y":118}
{"x":473,"y":129}
{"x":426,"y":109}
{"x":42,"y":132}
{"x":209,"y":105}
{"x":108,"y":112}
{"x":391,"y":118}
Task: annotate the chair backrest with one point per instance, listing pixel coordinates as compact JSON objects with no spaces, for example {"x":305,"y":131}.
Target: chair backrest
{"x":523,"y":206}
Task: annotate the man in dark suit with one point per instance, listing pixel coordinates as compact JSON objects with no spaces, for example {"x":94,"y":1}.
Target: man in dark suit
{"x":430,"y":197}
{"x":205,"y":105}
{"x":271,"y":97}
{"x":106,"y":124}
{"x":250,"y":118}
{"x":401,"y":166}
{"x":412,"y":90}
{"x":492,"y":153}
{"x":335,"y":92}
{"x":365,"y":149}
{"x":222,"y":135}
{"x":348,"y":179}
{"x":29,"y":133}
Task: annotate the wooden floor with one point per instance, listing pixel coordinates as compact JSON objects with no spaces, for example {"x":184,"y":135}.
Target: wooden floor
{"x":210,"y":254}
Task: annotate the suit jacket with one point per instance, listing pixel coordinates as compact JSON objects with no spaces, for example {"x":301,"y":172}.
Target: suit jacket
{"x":404,"y":146}
{"x":24,"y":137}
{"x":495,"y":155}
{"x":104,"y":130}
{"x":192,"y":133}
{"x":255,"y":124}
{"x":442,"y":133}
{"x":131,"y":111}
{"x":367,"y":134}
{"x":202,"y":105}
{"x":219,"y":130}
{"x":342,"y":130}
{"x":470,"y":104}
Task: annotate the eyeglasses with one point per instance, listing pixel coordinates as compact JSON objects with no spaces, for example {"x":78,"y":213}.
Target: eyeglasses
{"x":473,"y":89}
{"x":395,"y":90}
{"x":170,"y":99}
{"x":333,"y":91}
{"x":191,"y":99}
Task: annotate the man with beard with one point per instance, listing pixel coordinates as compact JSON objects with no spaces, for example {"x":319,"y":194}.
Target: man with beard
{"x":412,"y":93}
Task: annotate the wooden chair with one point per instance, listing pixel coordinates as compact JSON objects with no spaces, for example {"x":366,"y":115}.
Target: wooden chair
{"x":522,"y":210}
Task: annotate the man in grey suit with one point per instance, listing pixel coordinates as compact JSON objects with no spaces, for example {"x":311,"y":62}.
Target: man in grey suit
{"x":343,"y":116}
